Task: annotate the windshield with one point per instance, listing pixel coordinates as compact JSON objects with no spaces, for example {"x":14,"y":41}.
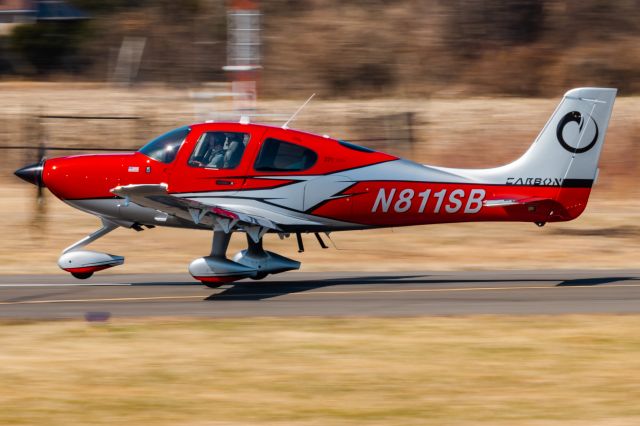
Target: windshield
{"x":164,"y":148}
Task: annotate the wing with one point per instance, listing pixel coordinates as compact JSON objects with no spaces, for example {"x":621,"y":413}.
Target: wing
{"x":157,"y":197}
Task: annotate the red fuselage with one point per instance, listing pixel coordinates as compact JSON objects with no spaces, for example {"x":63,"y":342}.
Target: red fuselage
{"x":345,"y":187}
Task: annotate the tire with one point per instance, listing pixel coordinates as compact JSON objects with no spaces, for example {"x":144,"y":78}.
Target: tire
{"x":212,"y":285}
{"x":82,"y":275}
{"x":260,"y":275}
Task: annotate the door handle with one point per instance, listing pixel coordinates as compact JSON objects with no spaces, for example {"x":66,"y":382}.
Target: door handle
{"x":224,"y":182}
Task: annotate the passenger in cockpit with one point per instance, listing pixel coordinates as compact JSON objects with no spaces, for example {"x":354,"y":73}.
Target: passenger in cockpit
{"x":234,"y":151}
{"x":217,"y":152}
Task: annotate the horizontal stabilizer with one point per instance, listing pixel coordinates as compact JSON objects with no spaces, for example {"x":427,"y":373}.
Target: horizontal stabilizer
{"x":504,"y":202}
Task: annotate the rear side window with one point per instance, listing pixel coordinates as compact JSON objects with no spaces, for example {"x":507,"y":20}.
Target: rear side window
{"x":279,"y":156}
{"x":164,"y":148}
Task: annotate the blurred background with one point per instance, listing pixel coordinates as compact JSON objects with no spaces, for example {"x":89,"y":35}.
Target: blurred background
{"x":459,"y":83}
{"x":462,"y":83}
{"x":337,"y":48}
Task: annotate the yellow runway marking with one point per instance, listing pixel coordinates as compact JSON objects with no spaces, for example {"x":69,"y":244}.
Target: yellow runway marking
{"x":317,"y":293}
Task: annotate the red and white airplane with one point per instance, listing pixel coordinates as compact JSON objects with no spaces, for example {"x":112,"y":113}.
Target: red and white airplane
{"x":257,"y":179}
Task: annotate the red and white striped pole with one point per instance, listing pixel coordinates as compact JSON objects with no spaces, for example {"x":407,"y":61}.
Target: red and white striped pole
{"x":243,"y":53}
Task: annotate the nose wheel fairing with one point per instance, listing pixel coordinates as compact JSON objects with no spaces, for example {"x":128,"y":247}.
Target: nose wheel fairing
{"x":83,"y":263}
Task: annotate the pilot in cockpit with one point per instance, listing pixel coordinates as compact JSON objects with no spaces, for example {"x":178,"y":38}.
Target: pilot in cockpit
{"x":219,"y":150}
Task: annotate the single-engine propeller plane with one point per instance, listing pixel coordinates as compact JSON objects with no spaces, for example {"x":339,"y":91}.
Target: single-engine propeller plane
{"x":257,"y":179}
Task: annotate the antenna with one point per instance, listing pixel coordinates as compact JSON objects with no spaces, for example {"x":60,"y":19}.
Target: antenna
{"x":286,"y":125}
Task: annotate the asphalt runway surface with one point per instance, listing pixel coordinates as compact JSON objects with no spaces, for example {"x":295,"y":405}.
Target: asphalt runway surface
{"x":323,"y":294}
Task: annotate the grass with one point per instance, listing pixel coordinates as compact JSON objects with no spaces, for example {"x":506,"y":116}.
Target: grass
{"x":536,"y":370}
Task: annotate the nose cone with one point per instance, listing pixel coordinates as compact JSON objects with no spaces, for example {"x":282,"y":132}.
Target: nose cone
{"x":31,"y":174}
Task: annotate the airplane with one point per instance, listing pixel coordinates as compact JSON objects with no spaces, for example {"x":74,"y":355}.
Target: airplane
{"x":227,"y":177}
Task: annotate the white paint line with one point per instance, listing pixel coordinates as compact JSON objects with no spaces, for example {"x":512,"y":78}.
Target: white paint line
{"x":67,"y":285}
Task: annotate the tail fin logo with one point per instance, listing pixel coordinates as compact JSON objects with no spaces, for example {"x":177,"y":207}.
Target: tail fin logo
{"x":576,"y":117}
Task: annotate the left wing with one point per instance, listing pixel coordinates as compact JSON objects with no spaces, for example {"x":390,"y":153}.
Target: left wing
{"x":157,"y":197}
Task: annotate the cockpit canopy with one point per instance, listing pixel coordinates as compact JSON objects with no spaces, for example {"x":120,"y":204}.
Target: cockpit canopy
{"x":224,"y":150}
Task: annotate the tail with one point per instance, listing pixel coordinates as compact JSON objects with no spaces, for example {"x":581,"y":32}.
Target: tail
{"x":567,"y":150}
{"x":561,"y":166}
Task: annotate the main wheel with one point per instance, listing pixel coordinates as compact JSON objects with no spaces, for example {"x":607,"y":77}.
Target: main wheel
{"x":215,"y":282}
{"x":82,"y":275}
{"x":212,"y":285}
{"x":260,"y":275}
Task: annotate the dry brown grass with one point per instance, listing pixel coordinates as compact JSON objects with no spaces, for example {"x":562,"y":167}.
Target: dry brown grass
{"x":569,"y":370}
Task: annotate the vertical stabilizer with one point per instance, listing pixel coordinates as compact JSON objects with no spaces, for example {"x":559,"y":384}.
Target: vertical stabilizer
{"x":568,"y":147}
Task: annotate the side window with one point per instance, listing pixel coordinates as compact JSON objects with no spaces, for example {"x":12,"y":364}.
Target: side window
{"x":279,"y":156}
{"x":219,"y":150}
{"x":164,"y":148}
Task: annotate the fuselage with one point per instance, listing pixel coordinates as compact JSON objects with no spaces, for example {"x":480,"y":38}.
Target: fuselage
{"x":301,"y":181}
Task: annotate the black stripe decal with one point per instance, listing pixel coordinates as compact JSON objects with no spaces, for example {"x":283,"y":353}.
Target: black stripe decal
{"x":567,"y":183}
{"x":577,"y":183}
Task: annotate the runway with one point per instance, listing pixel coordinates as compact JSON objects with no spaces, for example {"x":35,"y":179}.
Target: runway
{"x":323,"y":294}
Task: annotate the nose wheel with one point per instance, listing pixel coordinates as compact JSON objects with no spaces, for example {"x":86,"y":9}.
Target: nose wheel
{"x":82,"y":275}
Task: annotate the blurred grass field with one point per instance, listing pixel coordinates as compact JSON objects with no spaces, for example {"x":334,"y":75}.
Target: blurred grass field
{"x":524,"y":370}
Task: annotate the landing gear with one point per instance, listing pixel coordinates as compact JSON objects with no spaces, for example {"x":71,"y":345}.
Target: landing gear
{"x":215,"y":270}
{"x":254,"y":262}
{"x":263,"y":262}
{"x":83,"y":263}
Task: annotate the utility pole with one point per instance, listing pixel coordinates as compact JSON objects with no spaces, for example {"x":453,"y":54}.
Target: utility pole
{"x":243,"y":53}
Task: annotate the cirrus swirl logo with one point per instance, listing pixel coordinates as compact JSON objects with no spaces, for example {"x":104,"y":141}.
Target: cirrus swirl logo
{"x":582,"y":124}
